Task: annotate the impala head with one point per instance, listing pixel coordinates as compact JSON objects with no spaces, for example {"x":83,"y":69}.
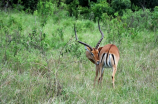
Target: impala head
{"x":92,"y":53}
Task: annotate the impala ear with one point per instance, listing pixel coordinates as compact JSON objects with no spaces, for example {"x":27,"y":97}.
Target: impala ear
{"x":99,"y":49}
{"x":87,"y":48}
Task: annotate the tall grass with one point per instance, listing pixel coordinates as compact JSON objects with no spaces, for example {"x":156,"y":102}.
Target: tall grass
{"x":55,"y":69}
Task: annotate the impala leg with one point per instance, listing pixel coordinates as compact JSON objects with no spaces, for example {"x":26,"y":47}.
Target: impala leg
{"x":101,"y":78}
{"x":96,"y":74}
{"x":113,"y":75}
{"x":100,"y":71}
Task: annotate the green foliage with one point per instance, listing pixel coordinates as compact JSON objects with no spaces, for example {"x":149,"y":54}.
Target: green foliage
{"x":83,"y":3}
{"x":45,"y":8}
{"x":29,"y":5}
{"x":155,"y":13}
{"x":96,"y":10}
{"x":83,"y":25}
{"x":140,"y":19}
{"x":72,"y":8}
{"x":120,"y":5}
{"x":58,"y":38}
{"x":154,"y":24}
{"x":144,"y":4}
{"x":20,"y":7}
{"x":100,"y":8}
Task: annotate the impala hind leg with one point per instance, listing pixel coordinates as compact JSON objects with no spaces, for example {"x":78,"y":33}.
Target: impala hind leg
{"x":113,"y":75}
{"x":96,"y":74}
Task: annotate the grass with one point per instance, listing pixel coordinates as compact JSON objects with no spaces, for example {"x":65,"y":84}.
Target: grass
{"x":51,"y":77}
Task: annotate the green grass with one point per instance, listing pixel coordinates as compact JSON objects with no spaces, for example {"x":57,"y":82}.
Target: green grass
{"x":46,"y":76}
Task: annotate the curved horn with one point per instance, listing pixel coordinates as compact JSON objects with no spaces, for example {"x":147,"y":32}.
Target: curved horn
{"x":101,"y":37}
{"x":80,"y":41}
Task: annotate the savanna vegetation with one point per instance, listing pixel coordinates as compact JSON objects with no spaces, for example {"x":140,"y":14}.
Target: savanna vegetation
{"x":41,"y":62}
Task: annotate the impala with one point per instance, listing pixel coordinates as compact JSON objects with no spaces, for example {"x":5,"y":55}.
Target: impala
{"x":103,"y":57}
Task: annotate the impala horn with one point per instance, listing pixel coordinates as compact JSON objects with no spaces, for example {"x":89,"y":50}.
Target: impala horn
{"x":80,"y":41}
{"x":101,"y":37}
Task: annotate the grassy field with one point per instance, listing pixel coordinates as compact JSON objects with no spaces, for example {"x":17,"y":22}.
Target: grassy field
{"x":44,"y":64}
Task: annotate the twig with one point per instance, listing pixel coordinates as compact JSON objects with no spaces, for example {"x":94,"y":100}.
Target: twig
{"x":64,"y":47}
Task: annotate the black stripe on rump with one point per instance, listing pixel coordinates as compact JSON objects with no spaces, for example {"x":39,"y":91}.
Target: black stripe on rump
{"x":113,"y":58}
{"x":107,"y":59}
{"x":108,"y":54}
{"x":102,"y":57}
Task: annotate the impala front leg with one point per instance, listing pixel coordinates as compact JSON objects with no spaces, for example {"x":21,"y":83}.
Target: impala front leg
{"x":100,"y":71}
{"x":96,"y":74}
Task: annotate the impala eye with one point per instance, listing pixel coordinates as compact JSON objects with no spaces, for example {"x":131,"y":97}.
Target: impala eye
{"x":92,"y":54}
